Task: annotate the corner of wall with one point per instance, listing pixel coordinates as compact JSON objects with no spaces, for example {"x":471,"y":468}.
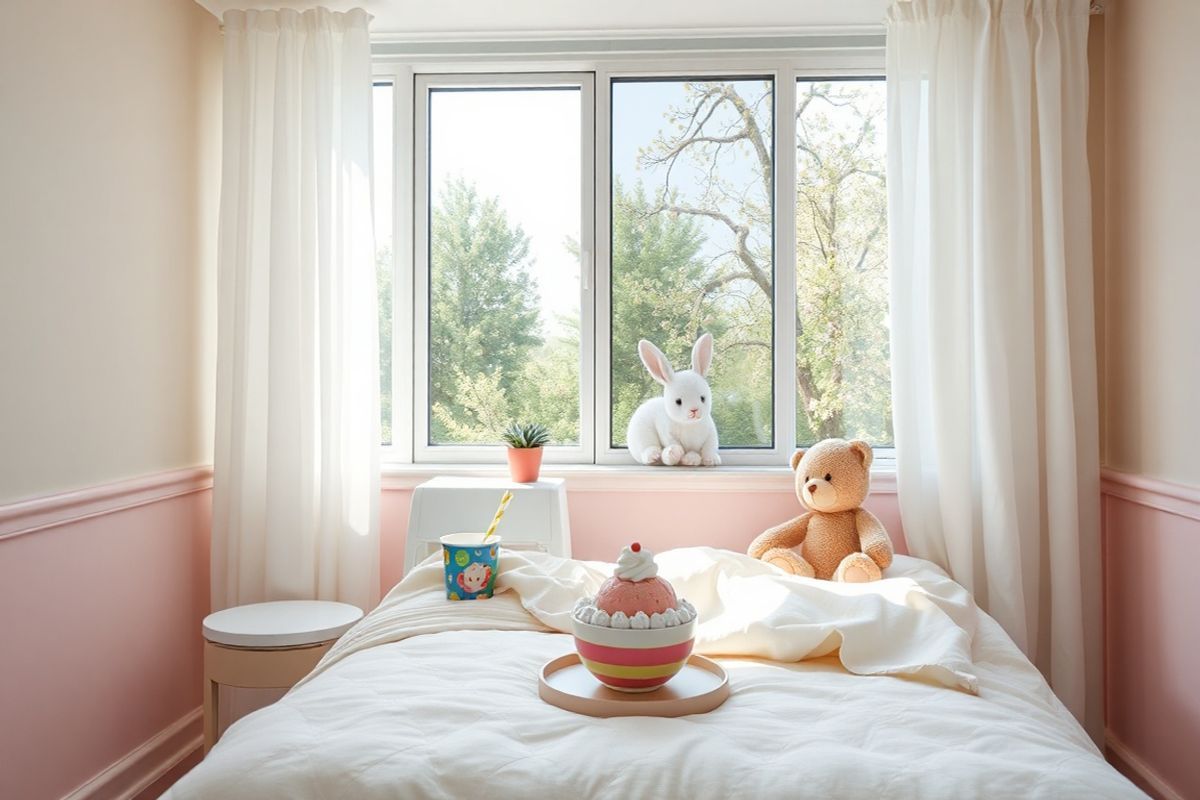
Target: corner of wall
{"x":207,"y":88}
{"x":1097,"y":157}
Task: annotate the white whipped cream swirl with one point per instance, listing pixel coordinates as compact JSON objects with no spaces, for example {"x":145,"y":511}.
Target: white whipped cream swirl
{"x":586,"y":611}
{"x":637,"y":566}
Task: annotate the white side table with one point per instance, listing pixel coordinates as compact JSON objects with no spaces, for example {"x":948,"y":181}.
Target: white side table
{"x":267,"y":645}
{"x":535,"y":520}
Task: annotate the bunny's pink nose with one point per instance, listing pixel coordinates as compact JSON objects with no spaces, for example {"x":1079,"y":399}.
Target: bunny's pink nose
{"x":694,"y":411}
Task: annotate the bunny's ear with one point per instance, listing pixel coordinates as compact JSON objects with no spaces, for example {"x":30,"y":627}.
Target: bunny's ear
{"x":702,"y":354}
{"x":656,"y":362}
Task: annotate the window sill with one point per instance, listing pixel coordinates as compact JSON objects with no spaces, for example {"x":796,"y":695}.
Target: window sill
{"x":631,"y":478}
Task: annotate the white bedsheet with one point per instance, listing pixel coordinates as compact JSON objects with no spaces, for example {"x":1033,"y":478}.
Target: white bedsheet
{"x":426,"y":698}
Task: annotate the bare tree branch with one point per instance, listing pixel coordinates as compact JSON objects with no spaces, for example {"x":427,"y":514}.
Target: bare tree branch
{"x":866,"y":248}
{"x":741,"y":233}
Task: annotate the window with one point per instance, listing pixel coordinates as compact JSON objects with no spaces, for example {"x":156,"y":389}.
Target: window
{"x":843,"y":371}
{"x":692,"y":247}
{"x":499,"y":259}
{"x":544,"y":222}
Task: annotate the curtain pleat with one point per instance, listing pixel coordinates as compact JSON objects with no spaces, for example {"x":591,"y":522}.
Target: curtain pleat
{"x":993,"y":344}
{"x":296,"y":474}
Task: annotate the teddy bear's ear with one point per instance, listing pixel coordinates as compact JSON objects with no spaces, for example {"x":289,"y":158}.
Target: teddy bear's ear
{"x":796,"y":456}
{"x":864,"y":452}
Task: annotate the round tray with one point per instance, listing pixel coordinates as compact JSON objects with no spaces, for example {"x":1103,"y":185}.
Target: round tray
{"x":700,"y":686}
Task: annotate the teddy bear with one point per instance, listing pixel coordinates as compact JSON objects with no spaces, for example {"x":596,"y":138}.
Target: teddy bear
{"x":836,"y":539}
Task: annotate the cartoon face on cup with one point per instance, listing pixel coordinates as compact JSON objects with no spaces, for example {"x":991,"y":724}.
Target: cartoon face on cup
{"x":470,"y":565}
{"x":474,"y":579}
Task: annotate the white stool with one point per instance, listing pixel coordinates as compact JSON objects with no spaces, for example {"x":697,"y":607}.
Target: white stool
{"x":536,"y":518}
{"x":267,"y":645}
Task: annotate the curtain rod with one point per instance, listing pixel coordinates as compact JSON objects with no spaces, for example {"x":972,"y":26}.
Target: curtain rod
{"x":1096,"y":7}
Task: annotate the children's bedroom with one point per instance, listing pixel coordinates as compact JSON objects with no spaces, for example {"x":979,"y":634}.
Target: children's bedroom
{"x":556,"y":399}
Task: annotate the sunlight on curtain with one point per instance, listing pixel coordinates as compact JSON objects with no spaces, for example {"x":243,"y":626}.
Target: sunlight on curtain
{"x":993,"y":351}
{"x":296,"y":474}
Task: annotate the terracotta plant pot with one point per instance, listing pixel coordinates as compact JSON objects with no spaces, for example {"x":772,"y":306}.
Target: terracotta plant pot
{"x":524,"y":463}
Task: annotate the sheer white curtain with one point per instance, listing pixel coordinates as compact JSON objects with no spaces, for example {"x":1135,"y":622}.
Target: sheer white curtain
{"x":993,"y":345}
{"x":296,"y":474}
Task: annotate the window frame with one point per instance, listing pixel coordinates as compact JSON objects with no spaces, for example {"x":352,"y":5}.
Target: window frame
{"x":424,"y":84}
{"x":412,"y":77}
{"x":740,"y":456}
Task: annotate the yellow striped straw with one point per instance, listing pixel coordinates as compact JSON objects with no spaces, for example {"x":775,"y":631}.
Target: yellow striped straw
{"x":504,"y":501}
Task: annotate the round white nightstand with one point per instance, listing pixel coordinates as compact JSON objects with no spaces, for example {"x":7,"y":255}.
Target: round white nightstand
{"x":267,"y":645}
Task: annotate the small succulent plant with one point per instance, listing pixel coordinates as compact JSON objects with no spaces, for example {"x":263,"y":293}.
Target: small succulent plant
{"x":526,"y":435}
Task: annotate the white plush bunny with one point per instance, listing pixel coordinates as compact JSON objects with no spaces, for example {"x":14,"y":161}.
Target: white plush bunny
{"x":678,"y":427}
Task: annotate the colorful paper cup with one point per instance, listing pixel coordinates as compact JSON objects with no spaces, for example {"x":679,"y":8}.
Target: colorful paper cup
{"x":631,"y":660}
{"x":470,"y":564}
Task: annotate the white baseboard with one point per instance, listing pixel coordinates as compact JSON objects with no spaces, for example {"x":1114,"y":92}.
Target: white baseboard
{"x":1133,"y":763}
{"x":133,"y":773}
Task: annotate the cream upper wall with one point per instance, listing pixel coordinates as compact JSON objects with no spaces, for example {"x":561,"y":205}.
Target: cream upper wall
{"x":107,"y":226}
{"x":1152,"y":259}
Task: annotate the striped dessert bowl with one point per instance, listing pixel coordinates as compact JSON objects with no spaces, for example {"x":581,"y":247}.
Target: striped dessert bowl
{"x":632,"y":660}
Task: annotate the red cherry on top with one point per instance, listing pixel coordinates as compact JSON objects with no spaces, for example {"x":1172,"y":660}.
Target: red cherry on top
{"x":635,"y":547}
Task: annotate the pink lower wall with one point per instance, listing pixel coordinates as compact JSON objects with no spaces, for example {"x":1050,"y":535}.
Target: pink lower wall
{"x":604,"y":521}
{"x":1152,"y":637}
{"x":99,"y":644}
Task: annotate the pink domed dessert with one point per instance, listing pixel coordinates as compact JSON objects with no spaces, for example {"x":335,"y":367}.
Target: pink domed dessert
{"x":635,"y":634}
{"x":635,"y":586}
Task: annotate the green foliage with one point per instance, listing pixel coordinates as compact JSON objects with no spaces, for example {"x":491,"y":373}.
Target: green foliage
{"x":489,"y":361}
{"x":483,"y":314}
{"x":549,"y":388}
{"x":525,"y":435}
{"x":655,"y":269}
{"x":478,"y":413}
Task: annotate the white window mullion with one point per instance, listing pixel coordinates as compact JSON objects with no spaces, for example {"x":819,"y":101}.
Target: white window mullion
{"x":785,"y":263}
{"x":399,"y":78}
{"x":419,"y":258}
{"x":588,"y":280}
{"x":402,"y":278}
{"x":601,"y":401}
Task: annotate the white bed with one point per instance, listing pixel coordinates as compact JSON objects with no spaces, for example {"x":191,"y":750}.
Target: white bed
{"x":926,"y":697}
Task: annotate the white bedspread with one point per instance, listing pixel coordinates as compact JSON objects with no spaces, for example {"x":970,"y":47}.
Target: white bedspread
{"x":429,"y":698}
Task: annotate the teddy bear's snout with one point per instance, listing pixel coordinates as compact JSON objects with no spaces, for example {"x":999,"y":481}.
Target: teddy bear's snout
{"x":812,"y":487}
